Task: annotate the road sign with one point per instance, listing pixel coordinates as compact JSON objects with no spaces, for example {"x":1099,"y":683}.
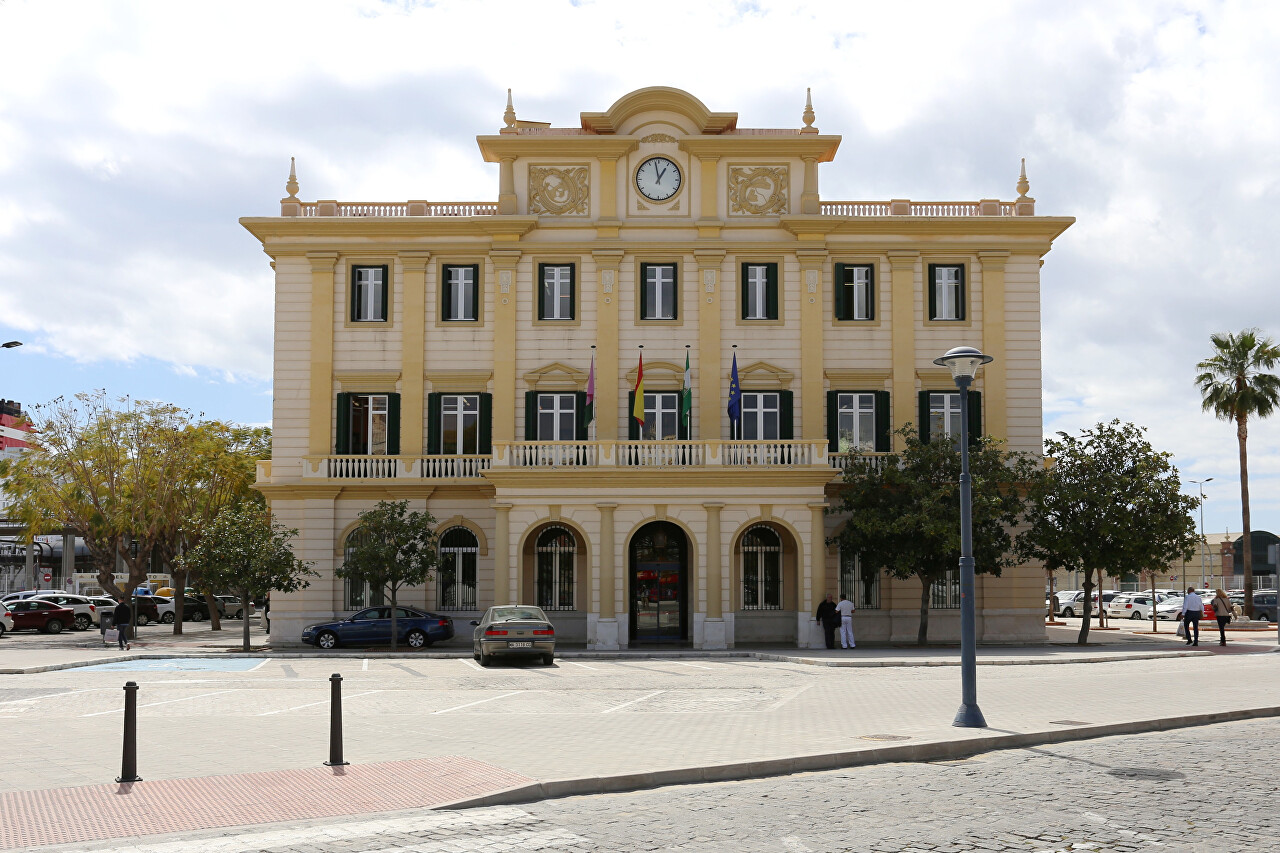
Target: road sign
{"x":48,"y":576}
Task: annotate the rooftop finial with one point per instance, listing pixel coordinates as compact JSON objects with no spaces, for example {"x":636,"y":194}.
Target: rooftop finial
{"x":808,"y":112}
{"x":1023,"y":184}
{"x":509,"y":117}
{"x":291,"y":186}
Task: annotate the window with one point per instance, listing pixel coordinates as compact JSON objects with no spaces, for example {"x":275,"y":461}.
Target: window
{"x":761,"y":569}
{"x":557,"y":417}
{"x":457,"y":573}
{"x":459,"y":292}
{"x":856,"y":422}
{"x":946,"y":291}
{"x":861,"y":586}
{"x":661,"y":416}
{"x":854,"y":292}
{"x":940,"y":415}
{"x":555,"y":550}
{"x":945,"y":592}
{"x":459,"y":423}
{"x":369,"y":294}
{"x":760,"y":416}
{"x":356,"y":595}
{"x":556,"y":299}
{"x":759,"y":291}
{"x":368,"y":424}
{"x":658,"y":291}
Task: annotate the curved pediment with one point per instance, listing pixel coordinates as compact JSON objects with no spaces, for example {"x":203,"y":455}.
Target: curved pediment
{"x":620,"y":118}
{"x":556,"y":376}
{"x":659,"y":376}
{"x":762,"y":376}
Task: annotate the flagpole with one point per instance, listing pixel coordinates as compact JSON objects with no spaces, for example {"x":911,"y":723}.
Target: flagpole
{"x":594,"y":416}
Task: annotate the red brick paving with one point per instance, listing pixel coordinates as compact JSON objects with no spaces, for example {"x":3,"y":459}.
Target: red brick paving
{"x":96,"y":812}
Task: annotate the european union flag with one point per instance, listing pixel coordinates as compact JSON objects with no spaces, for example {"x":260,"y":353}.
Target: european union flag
{"x":735,"y":393}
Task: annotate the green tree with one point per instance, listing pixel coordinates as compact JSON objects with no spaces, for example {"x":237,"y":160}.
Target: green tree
{"x":1109,"y":502}
{"x":391,"y":548}
{"x":244,"y":549}
{"x":903,"y":509}
{"x":1233,"y":385}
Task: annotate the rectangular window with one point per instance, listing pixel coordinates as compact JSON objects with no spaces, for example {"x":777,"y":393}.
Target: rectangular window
{"x":760,"y":416}
{"x":555,"y":301}
{"x":369,"y":425}
{"x":368,"y":294}
{"x":460,"y":292}
{"x":661,"y":416}
{"x":854,"y":292}
{"x":759,"y":291}
{"x":557,"y":417}
{"x":856,"y":422}
{"x":945,"y":592}
{"x":460,"y":423}
{"x":861,"y":586}
{"x":944,"y":415}
{"x":658,"y":292}
{"x":946,"y":292}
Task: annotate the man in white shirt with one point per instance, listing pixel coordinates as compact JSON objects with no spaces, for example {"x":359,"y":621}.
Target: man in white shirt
{"x":845,"y":608}
{"x":1192,"y":610}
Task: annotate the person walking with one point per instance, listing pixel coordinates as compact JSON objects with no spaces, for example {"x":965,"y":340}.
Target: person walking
{"x":1222,"y":610}
{"x":122,"y":617}
{"x":829,"y":618}
{"x":845,"y":608}
{"x":1192,"y":610}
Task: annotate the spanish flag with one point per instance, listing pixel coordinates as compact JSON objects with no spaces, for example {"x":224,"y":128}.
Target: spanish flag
{"x":637,"y":408}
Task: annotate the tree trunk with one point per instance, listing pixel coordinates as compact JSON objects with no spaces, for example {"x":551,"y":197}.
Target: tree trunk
{"x":179,"y":599}
{"x":1242,"y":434}
{"x":244,"y":602}
{"x":393,"y":617}
{"x":215,"y":621}
{"x":1087,"y":607}
{"x":922,"y":635}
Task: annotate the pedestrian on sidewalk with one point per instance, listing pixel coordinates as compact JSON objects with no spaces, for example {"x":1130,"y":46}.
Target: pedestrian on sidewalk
{"x":845,"y":608}
{"x":1222,"y":610}
{"x":123,"y":617}
{"x":829,"y":618}
{"x":1192,"y":610}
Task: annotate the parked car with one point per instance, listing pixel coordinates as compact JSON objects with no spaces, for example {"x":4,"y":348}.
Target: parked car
{"x":86,"y":611}
{"x":1061,"y":597}
{"x":1131,"y":605}
{"x":147,"y":607}
{"x":1264,"y":604}
{"x":1075,"y":607}
{"x":234,"y":607}
{"x":513,"y":631}
{"x":26,"y":593}
{"x":193,"y":609}
{"x":372,"y":626}
{"x":6,"y":619}
{"x":40,"y":615}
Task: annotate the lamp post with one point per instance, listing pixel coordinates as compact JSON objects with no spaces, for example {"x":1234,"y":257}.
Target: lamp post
{"x":1204,"y":543}
{"x":964,"y":363}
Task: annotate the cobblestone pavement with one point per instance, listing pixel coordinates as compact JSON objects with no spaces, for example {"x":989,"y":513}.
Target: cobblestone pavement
{"x":1205,"y":788}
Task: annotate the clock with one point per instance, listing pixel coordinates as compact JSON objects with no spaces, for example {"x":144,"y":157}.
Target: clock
{"x":658,"y":179}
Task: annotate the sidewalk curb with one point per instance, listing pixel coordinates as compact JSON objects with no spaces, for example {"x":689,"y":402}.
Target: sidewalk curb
{"x":913,"y":753}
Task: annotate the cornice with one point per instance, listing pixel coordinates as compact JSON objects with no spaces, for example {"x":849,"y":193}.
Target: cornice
{"x":821,"y":147}
{"x":742,"y":481}
{"x":495,"y":149}
{"x":1047,"y":228}
{"x":332,"y":228}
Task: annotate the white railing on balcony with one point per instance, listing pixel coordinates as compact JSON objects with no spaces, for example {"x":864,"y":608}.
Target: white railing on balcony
{"x":768,"y":453}
{"x":374,"y":208}
{"x":553,"y":454}
{"x":840,"y":461}
{"x":855,"y":208}
{"x":447,"y":467}
{"x":395,"y":467}
{"x":360,"y":467}
{"x":916,"y":208}
{"x":944,"y":208}
{"x":659,"y":454}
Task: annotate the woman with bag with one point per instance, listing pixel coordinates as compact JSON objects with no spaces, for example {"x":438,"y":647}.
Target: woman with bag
{"x":1222,"y":610}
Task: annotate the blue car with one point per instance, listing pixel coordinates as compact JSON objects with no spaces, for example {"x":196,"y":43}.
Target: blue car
{"x":372,"y":626}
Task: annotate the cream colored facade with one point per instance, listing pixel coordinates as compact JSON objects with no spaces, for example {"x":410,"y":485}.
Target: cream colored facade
{"x":571,"y":197}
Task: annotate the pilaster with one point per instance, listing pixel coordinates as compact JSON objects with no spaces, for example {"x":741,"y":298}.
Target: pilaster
{"x":413,"y":359}
{"x":505,"y":262}
{"x":709,"y":358}
{"x":608,"y":262}
{"x":714,"y":629}
{"x":321,"y":377}
{"x":809,"y":196}
{"x":507,"y":202}
{"x":503,"y":577}
{"x":812,"y":307}
{"x":902,"y":310}
{"x":995,"y":376}
{"x":709,"y":222}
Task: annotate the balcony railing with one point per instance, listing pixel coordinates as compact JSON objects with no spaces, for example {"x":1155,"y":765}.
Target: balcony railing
{"x":893,"y":207}
{"x":393,"y":467}
{"x":382,"y":208}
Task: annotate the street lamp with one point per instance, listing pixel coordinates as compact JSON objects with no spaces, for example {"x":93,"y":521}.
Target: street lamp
{"x":11,"y":344}
{"x":1204,"y":543}
{"x":964,"y":363}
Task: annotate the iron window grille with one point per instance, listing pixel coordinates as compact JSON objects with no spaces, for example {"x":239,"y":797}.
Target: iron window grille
{"x":456,"y":587}
{"x":356,"y":595}
{"x":945,"y":592}
{"x":761,"y":569}
{"x":859,"y":585}
{"x":555,"y":554}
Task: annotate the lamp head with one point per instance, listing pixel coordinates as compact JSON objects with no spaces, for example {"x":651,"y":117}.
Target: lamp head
{"x":963,"y":361}
{"x":11,"y":344}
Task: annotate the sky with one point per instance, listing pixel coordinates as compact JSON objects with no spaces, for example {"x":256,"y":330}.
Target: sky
{"x":133,"y":135}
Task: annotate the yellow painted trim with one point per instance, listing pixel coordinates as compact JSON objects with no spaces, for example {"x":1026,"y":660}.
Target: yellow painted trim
{"x":460,"y":381}
{"x":556,"y":376}
{"x":413,"y":267}
{"x":611,"y":480}
{"x":608,"y":275}
{"x":902,"y":273}
{"x":735,"y":561}
{"x":821,"y":147}
{"x":482,"y":541}
{"x":608,"y":571}
{"x":320,"y":377}
{"x":762,"y":376}
{"x":708,"y":360}
{"x":995,"y":400}
{"x":813,"y":304}
{"x":506,"y":292}
{"x":856,"y":376}
{"x":584,"y":550}
{"x":659,"y":376}
{"x":373,"y":381}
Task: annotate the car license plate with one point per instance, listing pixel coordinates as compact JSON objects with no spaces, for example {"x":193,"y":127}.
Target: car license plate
{"x":520,"y":644}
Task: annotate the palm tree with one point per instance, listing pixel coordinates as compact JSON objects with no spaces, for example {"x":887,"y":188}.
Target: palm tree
{"x":1234,"y":386}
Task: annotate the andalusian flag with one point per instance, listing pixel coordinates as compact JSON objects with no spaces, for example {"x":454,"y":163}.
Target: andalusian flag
{"x":637,"y":408}
{"x":590,"y":414}
{"x":686,"y":395}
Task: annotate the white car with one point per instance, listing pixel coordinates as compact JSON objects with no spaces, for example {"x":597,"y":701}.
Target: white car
{"x":6,"y":620}
{"x":233,"y":608}
{"x":86,"y":611}
{"x":1132,"y":605}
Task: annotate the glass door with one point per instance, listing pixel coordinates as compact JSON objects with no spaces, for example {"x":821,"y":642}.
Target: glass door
{"x":658,"y":584}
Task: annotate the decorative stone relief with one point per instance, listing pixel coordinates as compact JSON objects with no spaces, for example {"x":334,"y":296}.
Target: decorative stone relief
{"x":504,"y":281}
{"x":811,"y":278}
{"x":709,"y":280}
{"x":758,"y":190}
{"x":559,"y":190}
{"x":659,"y":137}
{"x":607,"y":280}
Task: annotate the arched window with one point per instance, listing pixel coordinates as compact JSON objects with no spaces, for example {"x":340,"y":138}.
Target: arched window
{"x":357,"y":595}
{"x":456,"y":584}
{"x":761,"y":569}
{"x":859,"y":585}
{"x":555,"y":550}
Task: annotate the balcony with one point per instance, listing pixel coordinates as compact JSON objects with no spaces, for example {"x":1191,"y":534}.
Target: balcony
{"x":293,"y":207}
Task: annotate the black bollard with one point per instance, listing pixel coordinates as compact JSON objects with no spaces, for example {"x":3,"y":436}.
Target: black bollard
{"x":129,"y":763}
{"x":335,"y":722}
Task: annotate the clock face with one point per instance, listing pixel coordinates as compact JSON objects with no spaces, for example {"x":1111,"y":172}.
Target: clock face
{"x":658,"y":179}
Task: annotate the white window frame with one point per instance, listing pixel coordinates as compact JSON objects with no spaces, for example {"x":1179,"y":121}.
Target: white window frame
{"x":462,"y":292}
{"x":946,"y":294}
{"x":461,"y":408}
{"x":757,"y":292}
{"x":945,"y":411}
{"x":657,"y":406}
{"x":557,"y":292}
{"x":658,"y":278}
{"x":370,"y":304}
{"x":376,"y":405}
{"x":860,"y":291}
{"x":558,"y":410}
{"x":756,"y":406}
{"x":860,"y":410}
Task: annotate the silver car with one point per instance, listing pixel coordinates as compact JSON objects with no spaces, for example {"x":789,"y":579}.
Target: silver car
{"x":514,"y":630}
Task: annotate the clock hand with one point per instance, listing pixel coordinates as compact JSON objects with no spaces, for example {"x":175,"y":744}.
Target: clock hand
{"x":660,"y":173}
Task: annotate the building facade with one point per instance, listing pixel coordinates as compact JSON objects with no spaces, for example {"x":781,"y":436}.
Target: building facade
{"x":549,"y":375}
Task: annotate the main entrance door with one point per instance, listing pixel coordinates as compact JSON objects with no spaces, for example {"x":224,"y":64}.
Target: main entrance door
{"x":659,"y":584}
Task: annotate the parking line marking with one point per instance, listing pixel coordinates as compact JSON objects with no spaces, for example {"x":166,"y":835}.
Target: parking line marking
{"x":477,"y":667}
{"x":51,"y":695}
{"x":785,"y":699}
{"x":364,"y":665}
{"x":694,"y":665}
{"x":583,"y":665}
{"x":478,"y":702}
{"x":312,"y":704}
{"x":259,"y":666}
{"x":632,"y":702}
{"x":165,"y":702}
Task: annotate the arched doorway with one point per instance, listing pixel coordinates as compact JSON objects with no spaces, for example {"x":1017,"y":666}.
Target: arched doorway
{"x":659,"y":584}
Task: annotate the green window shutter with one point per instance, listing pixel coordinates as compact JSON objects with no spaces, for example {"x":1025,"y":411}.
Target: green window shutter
{"x":644,"y":291}
{"x":841,"y":310}
{"x":355,"y":302}
{"x":771,"y":291}
{"x":960,"y":309}
{"x":924,"y":416}
{"x":871,"y":293}
{"x":785,"y":420}
{"x":573,"y":291}
{"x":530,"y":415}
{"x":434,"y":440}
{"x":833,"y":417}
{"x":933,"y":291}
{"x":386,"y":288}
{"x":675,"y":291}
{"x":475,"y":292}
{"x":393,"y":424}
{"x":580,"y":410}
{"x":975,"y":416}
{"x":742,"y":286}
{"x":540,"y":290}
{"x":343,"y":442}
{"x":446,"y":294}
{"x":485,"y":443}
{"x":884,"y":437}
{"x":633,"y":425}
